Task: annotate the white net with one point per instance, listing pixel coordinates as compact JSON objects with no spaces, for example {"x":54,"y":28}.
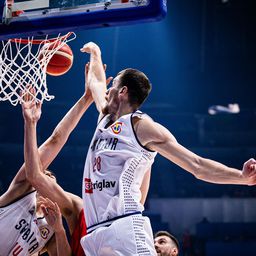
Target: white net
{"x":23,"y":64}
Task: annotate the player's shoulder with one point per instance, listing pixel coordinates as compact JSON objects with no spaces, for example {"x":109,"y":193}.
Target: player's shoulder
{"x":139,"y":116}
{"x":142,"y":123}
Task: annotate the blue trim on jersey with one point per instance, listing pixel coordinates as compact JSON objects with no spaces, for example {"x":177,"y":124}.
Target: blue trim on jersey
{"x":107,"y":223}
{"x":138,"y":111}
{"x":18,"y":198}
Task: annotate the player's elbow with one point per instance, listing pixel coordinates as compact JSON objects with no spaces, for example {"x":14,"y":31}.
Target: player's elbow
{"x":32,"y":178}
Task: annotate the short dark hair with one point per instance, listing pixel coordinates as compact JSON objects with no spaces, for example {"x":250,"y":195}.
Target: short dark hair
{"x":165,"y":233}
{"x":138,"y":85}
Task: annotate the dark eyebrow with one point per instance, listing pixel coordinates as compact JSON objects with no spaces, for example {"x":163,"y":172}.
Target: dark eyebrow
{"x":162,"y":239}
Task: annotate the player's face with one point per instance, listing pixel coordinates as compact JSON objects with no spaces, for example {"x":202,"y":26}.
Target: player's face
{"x":112,"y":99}
{"x":164,"y":246}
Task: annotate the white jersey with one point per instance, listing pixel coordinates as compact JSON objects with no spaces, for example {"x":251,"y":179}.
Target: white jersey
{"x":21,"y":232}
{"x":114,"y":169}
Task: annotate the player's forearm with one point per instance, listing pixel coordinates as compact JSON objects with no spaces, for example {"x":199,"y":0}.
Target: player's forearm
{"x":32,"y":160}
{"x":215,"y":172}
{"x":97,"y":79}
{"x":63,"y":247}
{"x":52,"y":146}
{"x":98,"y":93}
{"x":71,"y":119}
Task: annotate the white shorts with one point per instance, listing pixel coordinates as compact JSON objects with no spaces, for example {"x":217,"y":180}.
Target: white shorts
{"x":126,"y":236}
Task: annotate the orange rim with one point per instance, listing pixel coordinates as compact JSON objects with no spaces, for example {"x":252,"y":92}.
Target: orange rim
{"x":39,"y":41}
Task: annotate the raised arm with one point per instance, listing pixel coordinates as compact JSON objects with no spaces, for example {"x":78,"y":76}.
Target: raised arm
{"x":155,"y":137}
{"x":96,"y":77}
{"x":52,"y":146}
{"x":21,"y":183}
{"x":45,"y":185}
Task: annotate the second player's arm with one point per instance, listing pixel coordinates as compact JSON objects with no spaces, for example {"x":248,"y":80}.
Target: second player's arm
{"x":158,"y":138}
{"x":45,"y":185}
{"x":52,"y":146}
{"x":37,"y":162}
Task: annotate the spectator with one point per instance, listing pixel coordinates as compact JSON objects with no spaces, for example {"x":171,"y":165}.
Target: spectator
{"x":166,"y":244}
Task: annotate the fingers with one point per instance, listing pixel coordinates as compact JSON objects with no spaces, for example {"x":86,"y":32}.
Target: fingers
{"x":89,"y":47}
{"x":46,"y":202}
{"x":49,"y":208}
{"x":109,"y":80}
{"x":45,"y":210}
{"x":252,"y":167}
{"x":39,"y":105}
{"x":251,"y":161}
{"x":250,"y":164}
{"x":27,"y":94}
{"x":86,"y":48}
{"x":87,"y":66}
{"x":249,"y":170}
{"x":57,"y":208}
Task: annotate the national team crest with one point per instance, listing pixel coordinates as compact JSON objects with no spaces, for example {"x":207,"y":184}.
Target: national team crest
{"x":44,"y":231}
{"x":117,"y":127}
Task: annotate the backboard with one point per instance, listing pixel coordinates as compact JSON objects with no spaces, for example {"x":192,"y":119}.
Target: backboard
{"x":21,"y":18}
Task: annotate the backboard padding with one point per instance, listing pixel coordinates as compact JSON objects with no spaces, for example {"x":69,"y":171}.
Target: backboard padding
{"x":58,"y":20}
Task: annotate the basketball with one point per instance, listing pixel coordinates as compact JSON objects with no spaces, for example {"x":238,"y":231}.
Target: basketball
{"x":61,"y":61}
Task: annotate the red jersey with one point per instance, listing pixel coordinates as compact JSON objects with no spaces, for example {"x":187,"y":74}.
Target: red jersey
{"x":79,"y":232}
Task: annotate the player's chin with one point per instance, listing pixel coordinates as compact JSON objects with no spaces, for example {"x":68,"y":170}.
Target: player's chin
{"x":158,"y":252}
{"x":105,"y":110}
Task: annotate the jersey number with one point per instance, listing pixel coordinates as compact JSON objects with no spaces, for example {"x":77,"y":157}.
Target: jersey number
{"x":17,"y":249}
{"x":97,"y":164}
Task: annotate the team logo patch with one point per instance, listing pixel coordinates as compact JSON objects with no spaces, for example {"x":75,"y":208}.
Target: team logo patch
{"x":44,"y":231}
{"x":117,"y":127}
{"x":88,"y":186}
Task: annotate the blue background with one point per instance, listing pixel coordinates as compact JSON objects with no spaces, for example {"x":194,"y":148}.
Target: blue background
{"x":202,"y":54}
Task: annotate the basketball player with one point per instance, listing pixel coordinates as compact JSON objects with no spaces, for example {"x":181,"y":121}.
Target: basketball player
{"x":123,"y":147}
{"x":166,"y":244}
{"x":22,"y":235}
{"x":70,"y":205}
{"x":23,"y":229}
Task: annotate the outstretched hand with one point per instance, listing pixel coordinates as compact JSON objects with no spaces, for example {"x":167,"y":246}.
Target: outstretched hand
{"x":90,"y":48}
{"x":52,"y":214}
{"x":96,"y":82}
{"x":31,"y":109}
{"x":249,"y":171}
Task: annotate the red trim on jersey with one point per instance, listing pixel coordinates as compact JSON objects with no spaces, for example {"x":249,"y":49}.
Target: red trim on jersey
{"x":79,"y":232}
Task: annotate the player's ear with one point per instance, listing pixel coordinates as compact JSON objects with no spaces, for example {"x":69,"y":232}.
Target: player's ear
{"x":123,"y":90}
{"x":175,"y":251}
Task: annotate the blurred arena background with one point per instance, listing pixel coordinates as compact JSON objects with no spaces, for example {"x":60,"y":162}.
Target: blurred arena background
{"x":202,"y":54}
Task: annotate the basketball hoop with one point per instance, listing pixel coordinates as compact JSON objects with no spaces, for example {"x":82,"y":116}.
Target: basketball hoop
{"x":23,"y":65}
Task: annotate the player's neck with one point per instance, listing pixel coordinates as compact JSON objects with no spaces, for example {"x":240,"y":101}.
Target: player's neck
{"x":123,"y":109}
